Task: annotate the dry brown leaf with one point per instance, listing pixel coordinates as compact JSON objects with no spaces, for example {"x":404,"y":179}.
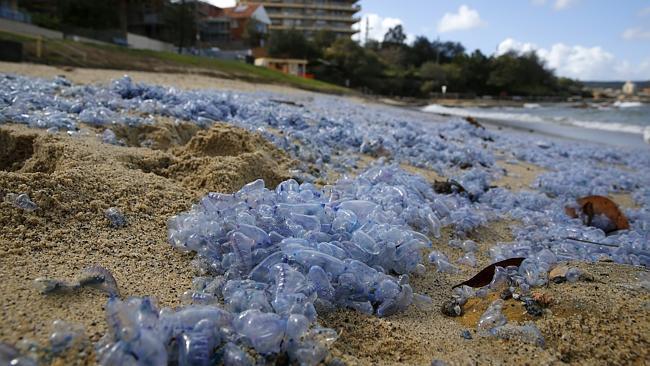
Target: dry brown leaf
{"x":599,"y":205}
{"x":485,"y":276}
{"x":472,"y":121}
{"x":544,"y":299}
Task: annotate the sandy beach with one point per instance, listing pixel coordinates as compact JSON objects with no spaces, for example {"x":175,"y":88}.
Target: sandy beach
{"x":602,"y":319}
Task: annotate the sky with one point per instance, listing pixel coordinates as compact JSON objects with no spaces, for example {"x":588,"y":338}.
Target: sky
{"x":582,"y":39}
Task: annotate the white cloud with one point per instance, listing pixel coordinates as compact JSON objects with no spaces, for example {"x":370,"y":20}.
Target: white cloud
{"x":644,"y":12}
{"x":580,"y":62}
{"x":563,"y":4}
{"x":636,"y":33}
{"x":557,"y":4}
{"x":377,"y":27}
{"x":466,"y":18}
{"x":510,"y":44}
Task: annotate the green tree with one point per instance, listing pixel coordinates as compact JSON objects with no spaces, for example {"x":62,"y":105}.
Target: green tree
{"x":291,"y":44}
{"x":432,"y":71}
{"x":447,"y":51}
{"x":395,"y":35}
{"x":323,"y":39}
{"x":253,"y":36}
{"x":348,"y":61}
{"x":180,"y":18}
{"x":394,"y":55}
{"x":421,"y":51}
{"x":521,"y":74}
{"x":475,"y":69}
{"x":437,"y":75}
{"x":96,"y":14}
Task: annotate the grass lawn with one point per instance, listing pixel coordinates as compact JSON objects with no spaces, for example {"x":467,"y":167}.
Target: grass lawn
{"x":79,"y":54}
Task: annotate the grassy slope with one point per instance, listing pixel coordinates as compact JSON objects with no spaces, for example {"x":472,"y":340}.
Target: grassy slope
{"x":79,"y":54}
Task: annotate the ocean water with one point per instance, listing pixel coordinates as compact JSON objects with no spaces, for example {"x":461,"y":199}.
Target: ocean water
{"x":620,"y":117}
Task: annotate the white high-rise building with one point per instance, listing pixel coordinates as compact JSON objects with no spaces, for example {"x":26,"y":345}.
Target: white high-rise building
{"x":312,"y":16}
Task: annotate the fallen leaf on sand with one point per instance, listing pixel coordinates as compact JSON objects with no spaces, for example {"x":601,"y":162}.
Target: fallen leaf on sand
{"x":559,"y":272}
{"x":448,"y":187}
{"x":544,"y":299}
{"x":591,"y":206}
{"x":472,"y":121}
{"x":484,"y":277}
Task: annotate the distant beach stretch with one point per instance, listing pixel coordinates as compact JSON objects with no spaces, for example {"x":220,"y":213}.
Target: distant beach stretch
{"x":619,"y":123}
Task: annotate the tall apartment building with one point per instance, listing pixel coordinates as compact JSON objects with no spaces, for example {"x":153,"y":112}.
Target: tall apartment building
{"x":311,"y":16}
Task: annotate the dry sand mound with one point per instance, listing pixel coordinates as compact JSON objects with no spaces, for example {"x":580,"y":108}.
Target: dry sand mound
{"x":223,"y":158}
{"x":75,"y":179}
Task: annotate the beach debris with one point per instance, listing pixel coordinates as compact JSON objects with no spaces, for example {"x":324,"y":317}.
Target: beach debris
{"x":115,"y":217}
{"x":49,"y":285}
{"x":604,"y":258}
{"x":486,"y":275}
{"x":66,"y":336}
{"x":375,"y":148}
{"x":98,"y":277}
{"x":441,"y":261}
{"x":527,"y":333}
{"x":109,"y":137}
{"x":98,"y":116}
{"x":68,"y":343}
{"x":437,"y":362}
{"x":542,"y":298}
{"x":288,"y":102}
{"x":449,"y":186}
{"x":463,"y":293}
{"x":468,"y":259}
{"x":21,"y":201}
{"x":464,"y":245}
{"x":573,"y":274}
{"x":472,"y":121}
{"x":562,"y":273}
{"x":423,"y":302}
{"x":594,"y":243}
{"x":533,"y":307}
{"x":558,"y":273}
{"x":644,"y":280}
{"x":206,"y":331}
{"x":335,"y":361}
{"x":11,"y":356}
{"x":600,"y":212}
{"x":506,"y":294}
{"x":465,"y":333}
{"x":492,"y":317}
{"x":451,"y":308}
{"x":94,"y":276}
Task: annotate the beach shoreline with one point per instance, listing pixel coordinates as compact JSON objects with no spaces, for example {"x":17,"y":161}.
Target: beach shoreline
{"x":614,"y":134}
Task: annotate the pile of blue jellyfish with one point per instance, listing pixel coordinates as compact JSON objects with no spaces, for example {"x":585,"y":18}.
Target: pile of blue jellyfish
{"x":271,"y":258}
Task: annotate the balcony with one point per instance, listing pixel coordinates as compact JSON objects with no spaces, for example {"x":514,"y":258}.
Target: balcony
{"x":315,"y":28}
{"x":325,"y":6}
{"x":335,"y":18}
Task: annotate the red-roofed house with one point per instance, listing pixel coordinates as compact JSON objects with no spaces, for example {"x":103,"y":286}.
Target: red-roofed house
{"x":236,"y":27}
{"x":247,"y":18}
